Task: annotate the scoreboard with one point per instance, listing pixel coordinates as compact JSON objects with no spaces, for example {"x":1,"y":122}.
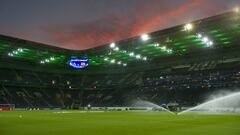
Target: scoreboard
{"x":78,"y":63}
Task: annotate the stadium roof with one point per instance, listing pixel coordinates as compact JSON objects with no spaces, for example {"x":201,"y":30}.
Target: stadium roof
{"x":217,"y":32}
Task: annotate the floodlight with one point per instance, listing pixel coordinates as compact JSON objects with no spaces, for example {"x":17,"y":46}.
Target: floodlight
{"x":138,"y":56}
{"x":236,"y":9}
{"x":188,"y":27}
{"x":47,"y":60}
{"x":20,"y":49}
{"x":169,"y":50}
{"x":15,"y":52}
{"x":119,"y":63}
{"x":199,"y":35}
{"x":52,"y":58}
{"x":145,"y":58}
{"x":105,"y":59}
{"x":116,"y":49}
{"x":112,"y":61}
{"x":68,"y":82}
{"x":124,"y":64}
{"x":210,"y":43}
{"x":131,"y":54}
{"x":205,"y":39}
{"x":112,"y":45}
{"x":10,"y":54}
{"x":164,"y":47}
{"x":145,"y":37}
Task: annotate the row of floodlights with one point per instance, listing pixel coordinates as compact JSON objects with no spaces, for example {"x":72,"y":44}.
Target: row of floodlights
{"x":132,"y":54}
{"x":145,"y":37}
{"x":15,"y":52}
{"x":137,"y":56}
{"x":47,"y":60}
{"x":113,"y":61}
{"x":164,"y":48}
{"x":205,"y":39}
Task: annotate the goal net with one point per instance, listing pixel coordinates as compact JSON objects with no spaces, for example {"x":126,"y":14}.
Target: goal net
{"x":7,"y":107}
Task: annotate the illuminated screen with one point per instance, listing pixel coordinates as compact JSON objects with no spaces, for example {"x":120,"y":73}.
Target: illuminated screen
{"x":78,"y":63}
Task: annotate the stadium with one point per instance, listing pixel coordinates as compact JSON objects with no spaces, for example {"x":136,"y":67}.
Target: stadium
{"x":155,"y":83}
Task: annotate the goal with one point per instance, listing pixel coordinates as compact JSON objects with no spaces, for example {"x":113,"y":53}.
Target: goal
{"x":7,"y":107}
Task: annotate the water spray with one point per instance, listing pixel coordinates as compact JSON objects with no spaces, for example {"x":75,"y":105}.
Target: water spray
{"x":143,"y":103}
{"x":229,"y":103}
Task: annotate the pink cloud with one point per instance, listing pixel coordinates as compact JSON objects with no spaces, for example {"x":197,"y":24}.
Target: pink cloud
{"x":114,"y":28}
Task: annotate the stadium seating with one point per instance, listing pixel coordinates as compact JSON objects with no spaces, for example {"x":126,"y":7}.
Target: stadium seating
{"x":28,"y":89}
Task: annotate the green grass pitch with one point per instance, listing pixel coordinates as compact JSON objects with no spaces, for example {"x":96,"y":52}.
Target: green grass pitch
{"x":115,"y":123}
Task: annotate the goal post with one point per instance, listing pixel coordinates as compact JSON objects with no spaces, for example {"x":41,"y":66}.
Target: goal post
{"x":7,"y":107}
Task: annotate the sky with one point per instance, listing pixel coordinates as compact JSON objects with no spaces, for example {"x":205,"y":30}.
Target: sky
{"x":84,"y":24}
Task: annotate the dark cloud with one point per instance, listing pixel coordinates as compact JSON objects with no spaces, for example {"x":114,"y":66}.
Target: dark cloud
{"x":100,"y":22}
{"x":142,"y":18}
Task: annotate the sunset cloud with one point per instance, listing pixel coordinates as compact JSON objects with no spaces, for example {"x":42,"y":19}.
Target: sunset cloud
{"x":85,"y":24}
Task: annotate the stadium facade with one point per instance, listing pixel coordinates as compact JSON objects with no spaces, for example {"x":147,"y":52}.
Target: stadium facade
{"x":176,"y":65}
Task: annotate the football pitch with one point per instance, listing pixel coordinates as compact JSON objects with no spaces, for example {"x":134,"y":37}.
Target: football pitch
{"x":115,"y":123}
